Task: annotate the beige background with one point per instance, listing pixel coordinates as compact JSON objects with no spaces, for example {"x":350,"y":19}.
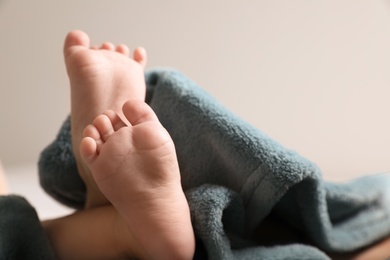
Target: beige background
{"x":311,"y":74}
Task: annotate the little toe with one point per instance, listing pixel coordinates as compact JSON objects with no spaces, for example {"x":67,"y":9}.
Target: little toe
{"x":88,"y":149}
{"x":92,"y":132}
{"x":104,"y":125}
{"x":122,"y":48}
{"x":140,"y":56}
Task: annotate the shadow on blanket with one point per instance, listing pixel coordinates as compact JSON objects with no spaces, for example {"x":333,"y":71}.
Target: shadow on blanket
{"x":250,"y":198}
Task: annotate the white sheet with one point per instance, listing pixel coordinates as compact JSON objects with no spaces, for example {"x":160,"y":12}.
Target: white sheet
{"x":23,"y":180}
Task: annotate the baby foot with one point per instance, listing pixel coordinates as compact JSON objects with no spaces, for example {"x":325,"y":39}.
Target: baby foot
{"x":101,"y":79}
{"x":136,"y":168}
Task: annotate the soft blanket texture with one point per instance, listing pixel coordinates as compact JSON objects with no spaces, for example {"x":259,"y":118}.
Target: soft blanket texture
{"x":238,"y":182}
{"x":21,"y":235}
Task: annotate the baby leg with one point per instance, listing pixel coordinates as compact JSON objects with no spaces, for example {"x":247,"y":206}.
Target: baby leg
{"x":3,"y":183}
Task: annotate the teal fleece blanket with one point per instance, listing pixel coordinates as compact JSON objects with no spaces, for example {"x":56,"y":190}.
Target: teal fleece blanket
{"x":21,"y":234}
{"x":239,"y":181}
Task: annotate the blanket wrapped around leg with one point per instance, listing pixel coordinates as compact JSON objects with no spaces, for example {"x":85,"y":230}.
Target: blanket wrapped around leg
{"x":21,"y":235}
{"x":236,"y":177}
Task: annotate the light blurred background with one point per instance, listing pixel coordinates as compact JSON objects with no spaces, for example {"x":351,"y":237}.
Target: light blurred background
{"x":311,"y":74}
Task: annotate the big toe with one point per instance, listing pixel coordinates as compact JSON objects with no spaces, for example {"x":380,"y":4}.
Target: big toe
{"x":137,"y":112}
{"x":75,"y":39}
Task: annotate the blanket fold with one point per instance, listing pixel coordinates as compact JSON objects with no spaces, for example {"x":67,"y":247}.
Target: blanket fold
{"x":235,"y":177}
{"x":21,"y":236}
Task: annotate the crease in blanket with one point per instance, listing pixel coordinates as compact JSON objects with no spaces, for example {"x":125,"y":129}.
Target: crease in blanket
{"x":236,"y":178}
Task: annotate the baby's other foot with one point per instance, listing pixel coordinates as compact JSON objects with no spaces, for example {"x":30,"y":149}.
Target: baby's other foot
{"x":101,"y":78}
{"x":136,"y":168}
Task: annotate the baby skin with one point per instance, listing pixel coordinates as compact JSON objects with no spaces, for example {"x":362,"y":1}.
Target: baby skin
{"x":3,"y":184}
{"x":136,"y":168}
{"x":135,"y":203}
{"x":101,"y":78}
